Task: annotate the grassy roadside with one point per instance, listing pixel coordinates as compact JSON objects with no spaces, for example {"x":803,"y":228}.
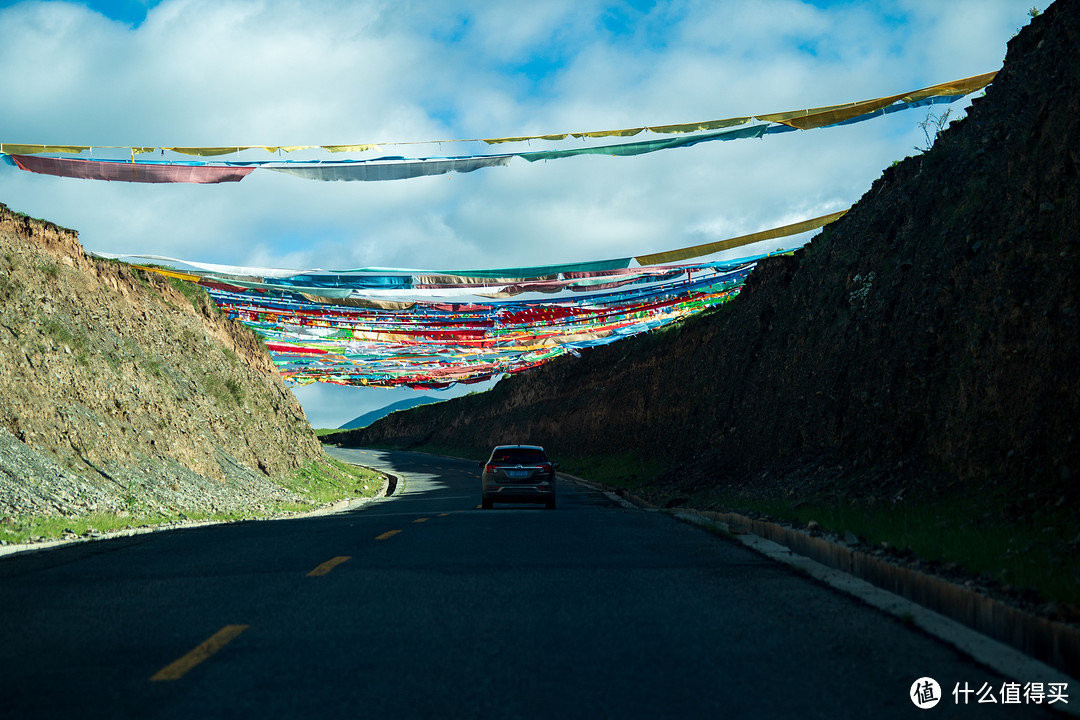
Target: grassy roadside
{"x":1037,"y":554}
{"x":625,"y":470}
{"x":320,"y":483}
{"x":329,"y":481}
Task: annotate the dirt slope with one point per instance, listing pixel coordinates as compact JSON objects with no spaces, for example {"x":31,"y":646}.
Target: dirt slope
{"x":118,"y":392}
{"x":928,"y":339}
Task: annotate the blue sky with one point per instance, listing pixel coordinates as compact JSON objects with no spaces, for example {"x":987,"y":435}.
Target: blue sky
{"x":132,"y":12}
{"x":316,"y":72}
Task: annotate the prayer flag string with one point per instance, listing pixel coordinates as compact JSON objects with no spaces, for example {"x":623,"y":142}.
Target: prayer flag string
{"x":382,"y":327}
{"x":24,"y":156}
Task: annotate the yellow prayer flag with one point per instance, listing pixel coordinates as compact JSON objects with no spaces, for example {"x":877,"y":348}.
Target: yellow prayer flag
{"x":627,"y":132}
{"x":831,"y":114}
{"x":11,"y":149}
{"x":695,"y":127}
{"x":286,"y":148}
{"x":956,"y":87}
{"x":169,"y":273}
{"x":671,"y":256}
{"x":348,"y":148}
{"x":523,"y":138}
{"x":820,"y":117}
{"x":207,"y":151}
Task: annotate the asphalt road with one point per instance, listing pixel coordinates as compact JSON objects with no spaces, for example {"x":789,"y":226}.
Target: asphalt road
{"x":423,"y":605}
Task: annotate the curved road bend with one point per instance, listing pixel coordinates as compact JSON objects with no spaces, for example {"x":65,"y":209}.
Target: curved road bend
{"x":422,"y":605}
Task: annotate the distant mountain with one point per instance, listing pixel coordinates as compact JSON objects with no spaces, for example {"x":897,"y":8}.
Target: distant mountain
{"x":368,"y":418}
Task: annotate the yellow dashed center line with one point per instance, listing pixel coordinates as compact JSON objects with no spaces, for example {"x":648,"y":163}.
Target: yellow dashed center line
{"x":328,"y":566}
{"x":419,"y":520}
{"x":178,"y":668}
{"x":387,"y":534}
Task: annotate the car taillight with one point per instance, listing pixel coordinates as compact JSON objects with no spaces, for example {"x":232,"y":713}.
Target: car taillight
{"x":547,"y":469}
{"x":490,"y":468}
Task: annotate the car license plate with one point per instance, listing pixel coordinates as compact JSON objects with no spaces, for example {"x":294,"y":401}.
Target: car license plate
{"x":517,"y":473}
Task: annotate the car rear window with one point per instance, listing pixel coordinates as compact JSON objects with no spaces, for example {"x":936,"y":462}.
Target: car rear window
{"x":523,"y":456}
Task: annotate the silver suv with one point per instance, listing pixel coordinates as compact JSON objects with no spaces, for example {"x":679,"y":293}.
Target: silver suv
{"x":517,"y":473}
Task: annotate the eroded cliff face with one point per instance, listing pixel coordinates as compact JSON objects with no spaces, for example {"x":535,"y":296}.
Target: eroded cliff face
{"x":929,"y":334}
{"x":118,"y":391}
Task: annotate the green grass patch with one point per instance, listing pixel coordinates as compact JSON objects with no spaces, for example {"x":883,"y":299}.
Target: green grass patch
{"x":195,"y":294}
{"x":7,"y":287}
{"x":27,"y":529}
{"x":625,"y":470}
{"x":49,"y":269}
{"x":61,"y":334}
{"x":31,"y":217}
{"x":975,"y":535}
{"x":322,"y":482}
{"x":236,"y":390}
{"x":330,"y":480}
{"x":154,"y":366}
{"x":225,"y":392}
{"x":141,"y":278}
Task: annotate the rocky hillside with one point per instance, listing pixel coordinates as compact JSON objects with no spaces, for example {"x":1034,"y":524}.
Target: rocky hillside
{"x":927,"y":340}
{"x":122,"y":391}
